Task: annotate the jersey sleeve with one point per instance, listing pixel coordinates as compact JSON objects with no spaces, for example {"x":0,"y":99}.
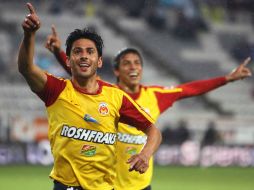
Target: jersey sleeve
{"x":62,"y":59}
{"x":132,"y":114}
{"x":196,"y":88}
{"x":53,"y":87}
{"x":166,"y":97}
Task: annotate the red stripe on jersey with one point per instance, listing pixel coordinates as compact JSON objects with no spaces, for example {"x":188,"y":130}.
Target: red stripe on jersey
{"x":195,"y":88}
{"x":53,"y":87}
{"x":130,"y":115}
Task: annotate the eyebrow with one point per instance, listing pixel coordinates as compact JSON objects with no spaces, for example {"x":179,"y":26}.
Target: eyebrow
{"x":83,"y":48}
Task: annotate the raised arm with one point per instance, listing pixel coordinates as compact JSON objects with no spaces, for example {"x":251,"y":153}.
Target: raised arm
{"x":35,"y":77}
{"x":53,"y":44}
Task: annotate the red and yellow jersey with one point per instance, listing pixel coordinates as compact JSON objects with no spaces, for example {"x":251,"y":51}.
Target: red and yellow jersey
{"x":82,"y":131}
{"x":154,"y":100}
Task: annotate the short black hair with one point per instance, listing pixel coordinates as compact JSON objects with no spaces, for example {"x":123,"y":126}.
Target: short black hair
{"x":123,"y":52}
{"x":85,"y":33}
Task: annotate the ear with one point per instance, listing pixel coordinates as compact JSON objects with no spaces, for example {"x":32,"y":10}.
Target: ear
{"x":68,"y":64}
{"x":116,"y":72}
{"x":100,"y":62}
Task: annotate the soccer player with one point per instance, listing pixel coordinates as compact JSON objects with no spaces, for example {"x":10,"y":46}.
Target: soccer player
{"x":128,"y":68}
{"x":83,"y":112}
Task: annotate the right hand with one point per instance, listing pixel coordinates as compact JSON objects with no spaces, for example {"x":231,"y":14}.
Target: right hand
{"x":53,"y":42}
{"x":138,"y":162}
{"x":241,"y":72}
{"x":32,"y":22}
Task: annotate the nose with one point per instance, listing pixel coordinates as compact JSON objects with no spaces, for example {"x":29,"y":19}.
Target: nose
{"x":84,"y":56}
{"x":133,"y":66}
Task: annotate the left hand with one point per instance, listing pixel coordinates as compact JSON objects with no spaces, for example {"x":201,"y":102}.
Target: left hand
{"x":139,"y":163}
{"x":241,"y":72}
{"x":53,"y":42}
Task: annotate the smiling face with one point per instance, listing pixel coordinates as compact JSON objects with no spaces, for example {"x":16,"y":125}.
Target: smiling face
{"x":129,"y":71}
{"x":84,"y":59}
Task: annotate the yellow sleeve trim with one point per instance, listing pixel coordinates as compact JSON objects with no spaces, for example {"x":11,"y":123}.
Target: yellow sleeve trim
{"x":173,"y":90}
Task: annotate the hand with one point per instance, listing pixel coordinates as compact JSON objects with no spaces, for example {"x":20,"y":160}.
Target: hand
{"x":241,"y":72}
{"x":31,"y":23}
{"x":53,"y":42}
{"x":139,"y":163}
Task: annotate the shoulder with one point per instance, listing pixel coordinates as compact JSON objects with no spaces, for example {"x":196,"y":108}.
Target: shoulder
{"x":53,"y":78}
{"x":105,"y":83}
{"x":53,"y":87}
{"x":110,"y":86}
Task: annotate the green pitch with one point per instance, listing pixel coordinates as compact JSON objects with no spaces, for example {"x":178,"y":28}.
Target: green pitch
{"x":165,"y":178}
{"x":196,"y":178}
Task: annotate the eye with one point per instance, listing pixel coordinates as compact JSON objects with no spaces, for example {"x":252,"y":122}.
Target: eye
{"x":76,"y":51}
{"x":90,"y":51}
{"x":137,"y":63}
{"x":125,"y":63}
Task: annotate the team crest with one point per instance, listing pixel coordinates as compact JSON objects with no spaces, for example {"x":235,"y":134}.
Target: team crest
{"x":88,"y":150}
{"x":103,"y":109}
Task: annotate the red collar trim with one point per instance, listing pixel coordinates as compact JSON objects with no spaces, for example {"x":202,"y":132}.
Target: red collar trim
{"x":85,"y":92}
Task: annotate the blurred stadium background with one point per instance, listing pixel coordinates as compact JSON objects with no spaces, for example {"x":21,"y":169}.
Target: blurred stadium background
{"x":208,"y":140}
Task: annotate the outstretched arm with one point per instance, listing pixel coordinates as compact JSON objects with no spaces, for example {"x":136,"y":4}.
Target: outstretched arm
{"x":167,"y":97}
{"x":199,"y":87}
{"x":53,"y":44}
{"x":34,"y":76}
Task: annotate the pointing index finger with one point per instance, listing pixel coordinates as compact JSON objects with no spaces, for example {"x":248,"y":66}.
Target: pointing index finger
{"x":31,"y":8}
{"x":246,"y":61}
{"x":54,"y":30}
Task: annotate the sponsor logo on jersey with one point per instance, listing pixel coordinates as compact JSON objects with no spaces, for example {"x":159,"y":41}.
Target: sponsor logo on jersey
{"x":88,"y":135}
{"x":89,"y":118}
{"x":131,"y":139}
{"x":131,"y":150}
{"x":103,"y":109}
{"x":88,"y":150}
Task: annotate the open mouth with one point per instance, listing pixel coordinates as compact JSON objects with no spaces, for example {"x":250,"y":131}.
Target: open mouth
{"x":133,"y":74}
{"x":84,"y":66}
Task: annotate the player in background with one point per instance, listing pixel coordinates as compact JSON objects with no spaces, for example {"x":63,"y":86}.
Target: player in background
{"x":83,"y":112}
{"x":128,"y":68}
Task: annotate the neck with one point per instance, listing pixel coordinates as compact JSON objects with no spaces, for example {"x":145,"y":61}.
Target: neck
{"x":131,"y":89}
{"x":89,"y":85}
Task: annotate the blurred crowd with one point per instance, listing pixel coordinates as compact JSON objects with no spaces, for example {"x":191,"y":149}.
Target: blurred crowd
{"x":183,"y":19}
{"x":179,"y":134}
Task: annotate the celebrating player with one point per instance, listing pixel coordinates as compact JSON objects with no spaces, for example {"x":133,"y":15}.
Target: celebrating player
{"x":128,"y":68}
{"x":83,"y":112}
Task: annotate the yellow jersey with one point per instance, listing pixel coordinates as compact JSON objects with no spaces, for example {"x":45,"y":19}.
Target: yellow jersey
{"x":82,"y":131}
{"x":154,"y":100}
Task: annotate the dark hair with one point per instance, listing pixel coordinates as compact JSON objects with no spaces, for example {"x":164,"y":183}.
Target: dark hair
{"x":85,"y":33}
{"x":123,"y":52}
